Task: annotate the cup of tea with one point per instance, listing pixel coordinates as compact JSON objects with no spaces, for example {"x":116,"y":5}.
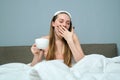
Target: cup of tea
{"x":41,"y":43}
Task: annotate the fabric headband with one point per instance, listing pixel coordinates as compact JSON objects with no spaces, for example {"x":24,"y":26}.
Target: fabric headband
{"x":56,"y":13}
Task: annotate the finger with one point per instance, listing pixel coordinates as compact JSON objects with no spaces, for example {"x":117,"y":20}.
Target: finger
{"x":58,"y":32}
{"x":34,"y":45}
{"x":64,"y":28}
{"x":61,"y":29}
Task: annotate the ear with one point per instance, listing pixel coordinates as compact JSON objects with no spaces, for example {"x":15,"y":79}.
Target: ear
{"x":53,"y":24}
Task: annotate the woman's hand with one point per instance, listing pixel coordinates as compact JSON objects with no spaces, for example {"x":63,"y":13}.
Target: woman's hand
{"x":68,"y":36}
{"x":37,"y":54}
{"x":35,"y":50}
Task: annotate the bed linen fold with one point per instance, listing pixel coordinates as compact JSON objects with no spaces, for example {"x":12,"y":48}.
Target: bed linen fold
{"x":91,"y":67}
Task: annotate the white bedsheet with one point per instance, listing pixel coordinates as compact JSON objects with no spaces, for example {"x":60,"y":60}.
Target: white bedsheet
{"x":14,"y":71}
{"x":91,"y":67}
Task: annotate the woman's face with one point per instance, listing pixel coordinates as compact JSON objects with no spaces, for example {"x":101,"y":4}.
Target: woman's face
{"x":62,"y":20}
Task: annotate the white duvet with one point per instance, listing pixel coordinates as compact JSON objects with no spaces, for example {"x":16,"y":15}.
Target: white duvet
{"x":91,"y":67}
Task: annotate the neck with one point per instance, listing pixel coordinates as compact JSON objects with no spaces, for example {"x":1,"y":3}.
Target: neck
{"x":59,"y":46}
{"x":58,"y":38}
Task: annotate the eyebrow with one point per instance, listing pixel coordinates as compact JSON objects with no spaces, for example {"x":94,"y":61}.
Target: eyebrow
{"x":63,"y":19}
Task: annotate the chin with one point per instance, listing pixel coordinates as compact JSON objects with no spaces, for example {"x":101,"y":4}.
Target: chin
{"x":60,"y":36}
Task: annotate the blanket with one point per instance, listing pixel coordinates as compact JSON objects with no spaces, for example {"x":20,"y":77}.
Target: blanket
{"x":14,"y":71}
{"x":91,"y":67}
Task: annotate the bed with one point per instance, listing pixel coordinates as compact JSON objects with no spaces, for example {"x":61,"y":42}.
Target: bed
{"x":23,"y":54}
{"x":14,"y":63}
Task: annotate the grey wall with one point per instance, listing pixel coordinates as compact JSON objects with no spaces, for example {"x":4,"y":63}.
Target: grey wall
{"x":95,"y":21}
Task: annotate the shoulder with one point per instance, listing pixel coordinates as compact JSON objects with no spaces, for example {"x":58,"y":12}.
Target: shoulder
{"x":46,"y":37}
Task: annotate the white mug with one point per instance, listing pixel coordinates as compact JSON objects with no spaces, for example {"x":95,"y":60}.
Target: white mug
{"x":41,"y":43}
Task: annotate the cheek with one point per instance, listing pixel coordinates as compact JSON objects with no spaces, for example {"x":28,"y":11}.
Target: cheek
{"x":67,"y":27}
{"x":55,"y":24}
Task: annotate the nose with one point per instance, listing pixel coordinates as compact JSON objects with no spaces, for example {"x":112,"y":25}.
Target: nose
{"x":64,"y":25}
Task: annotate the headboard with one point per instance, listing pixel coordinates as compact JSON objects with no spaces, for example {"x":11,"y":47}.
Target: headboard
{"x":23,"y":54}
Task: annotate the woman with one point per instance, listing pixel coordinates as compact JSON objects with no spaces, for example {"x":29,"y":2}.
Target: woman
{"x":65,"y":46}
{"x":63,"y":42}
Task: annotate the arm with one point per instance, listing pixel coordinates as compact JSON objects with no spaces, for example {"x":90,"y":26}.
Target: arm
{"x":37,"y":55}
{"x":73,"y":42}
{"x":75,"y":47}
